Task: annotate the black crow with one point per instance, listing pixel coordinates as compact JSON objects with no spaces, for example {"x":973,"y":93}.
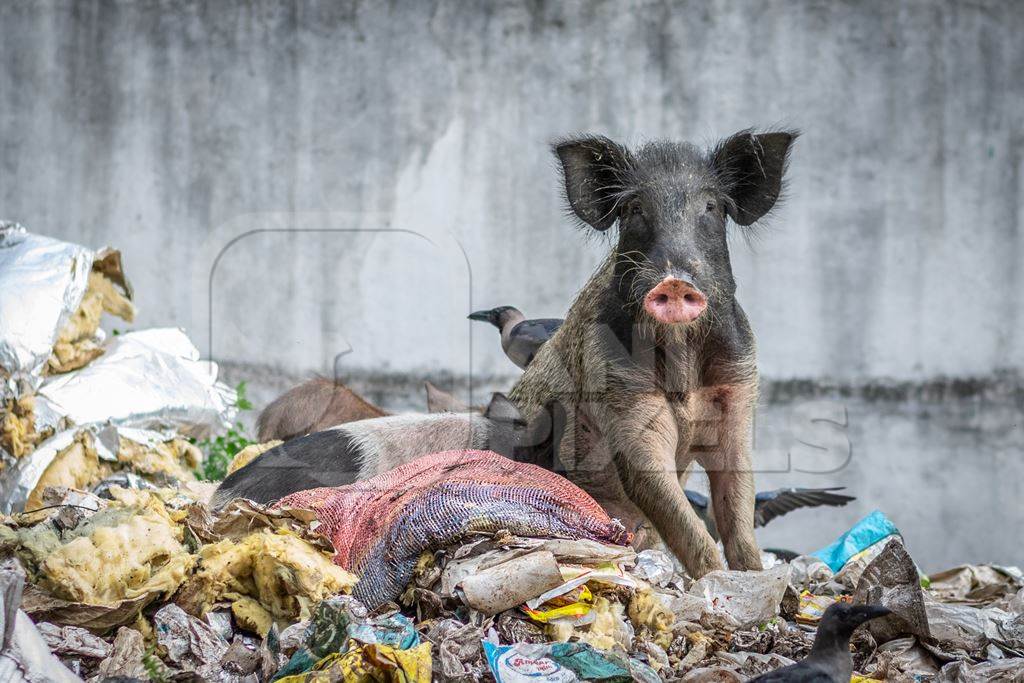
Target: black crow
{"x":520,"y":338}
{"x":829,"y":660}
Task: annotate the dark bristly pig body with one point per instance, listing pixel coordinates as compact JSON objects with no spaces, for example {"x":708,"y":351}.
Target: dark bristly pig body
{"x":653,"y":369}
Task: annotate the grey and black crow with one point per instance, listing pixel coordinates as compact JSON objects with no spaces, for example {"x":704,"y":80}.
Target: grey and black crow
{"x":520,"y":338}
{"x":829,"y":660}
{"x":771,"y":504}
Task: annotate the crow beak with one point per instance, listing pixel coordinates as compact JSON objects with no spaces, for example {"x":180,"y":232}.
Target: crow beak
{"x":482,"y":316}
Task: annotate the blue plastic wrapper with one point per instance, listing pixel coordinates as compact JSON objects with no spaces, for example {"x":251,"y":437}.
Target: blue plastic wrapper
{"x":861,"y":536}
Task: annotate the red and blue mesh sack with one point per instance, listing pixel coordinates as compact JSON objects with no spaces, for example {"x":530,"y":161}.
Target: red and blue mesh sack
{"x":381,"y":526}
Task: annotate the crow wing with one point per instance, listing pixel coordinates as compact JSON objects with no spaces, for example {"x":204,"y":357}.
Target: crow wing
{"x":771,"y":504}
{"x":698,"y":500}
{"x":528,"y":336}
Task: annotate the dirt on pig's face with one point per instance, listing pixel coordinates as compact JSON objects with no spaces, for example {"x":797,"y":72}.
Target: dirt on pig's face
{"x":672,"y":203}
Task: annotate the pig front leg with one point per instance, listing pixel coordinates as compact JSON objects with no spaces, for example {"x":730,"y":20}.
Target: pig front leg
{"x":643,"y":436}
{"x":726,"y":458}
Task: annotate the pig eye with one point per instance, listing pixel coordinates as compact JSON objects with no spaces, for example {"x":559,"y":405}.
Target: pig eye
{"x":711,"y":206}
{"x":635,"y":209}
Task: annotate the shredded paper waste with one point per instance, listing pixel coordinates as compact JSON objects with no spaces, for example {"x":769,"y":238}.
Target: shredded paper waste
{"x":460,"y":566}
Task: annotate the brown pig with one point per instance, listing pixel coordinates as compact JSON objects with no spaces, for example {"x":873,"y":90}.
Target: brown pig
{"x":312,"y":406}
{"x":654,"y":367}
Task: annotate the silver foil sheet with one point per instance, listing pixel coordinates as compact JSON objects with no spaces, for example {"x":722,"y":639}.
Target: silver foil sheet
{"x":42,"y":281}
{"x":151,"y":379}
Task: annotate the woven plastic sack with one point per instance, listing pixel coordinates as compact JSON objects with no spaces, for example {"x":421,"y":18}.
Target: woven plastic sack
{"x":381,"y":526}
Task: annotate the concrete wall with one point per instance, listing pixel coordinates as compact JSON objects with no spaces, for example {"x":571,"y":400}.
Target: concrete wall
{"x":337,"y":184}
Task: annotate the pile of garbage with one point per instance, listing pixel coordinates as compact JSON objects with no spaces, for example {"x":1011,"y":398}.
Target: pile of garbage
{"x":78,"y":409}
{"x":459,"y":566}
{"x":151,"y":584}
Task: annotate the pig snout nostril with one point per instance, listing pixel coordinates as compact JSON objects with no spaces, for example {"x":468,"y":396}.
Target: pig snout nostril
{"x":675,"y":301}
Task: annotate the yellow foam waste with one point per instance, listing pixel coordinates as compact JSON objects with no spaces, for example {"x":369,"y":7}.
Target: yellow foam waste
{"x":560,"y":631}
{"x":76,"y":342}
{"x":608,"y":628}
{"x":159,"y":497}
{"x":372,"y":662}
{"x":72,"y":355}
{"x":201,"y":491}
{"x":647,"y":610}
{"x":250,"y":453}
{"x":122,"y":552}
{"x":115,"y":301}
{"x":280,"y":570}
{"x":700,"y":645}
{"x":76,"y":466}
{"x":18,"y":435}
{"x":252,"y":616}
{"x":142,"y":625}
{"x":175,"y":458}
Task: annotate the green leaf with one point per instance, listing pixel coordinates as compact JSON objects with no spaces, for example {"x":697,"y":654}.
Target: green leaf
{"x":241,"y":402}
{"x":221,"y":450}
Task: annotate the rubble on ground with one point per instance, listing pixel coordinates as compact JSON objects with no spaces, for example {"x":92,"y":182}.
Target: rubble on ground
{"x":113,"y":565}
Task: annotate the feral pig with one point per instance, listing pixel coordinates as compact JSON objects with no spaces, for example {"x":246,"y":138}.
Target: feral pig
{"x":654,"y":367}
{"x":312,"y":406}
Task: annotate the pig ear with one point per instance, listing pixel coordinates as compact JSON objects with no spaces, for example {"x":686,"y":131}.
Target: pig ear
{"x":501,"y":409}
{"x":752,"y":167}
{"x":440,"y":401}
{"x":593,"y":167}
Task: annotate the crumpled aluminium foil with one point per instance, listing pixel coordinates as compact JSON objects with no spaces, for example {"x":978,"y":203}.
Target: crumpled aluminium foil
{"x":42,"y":281}
{"x":151,"y":379}
{"x":18,"y":481}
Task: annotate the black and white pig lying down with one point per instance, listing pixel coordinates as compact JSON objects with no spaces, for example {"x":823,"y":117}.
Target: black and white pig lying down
{"x":359,"y":450}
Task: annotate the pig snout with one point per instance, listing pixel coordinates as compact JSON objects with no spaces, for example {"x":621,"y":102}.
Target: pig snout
{"x":675,"y":301}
